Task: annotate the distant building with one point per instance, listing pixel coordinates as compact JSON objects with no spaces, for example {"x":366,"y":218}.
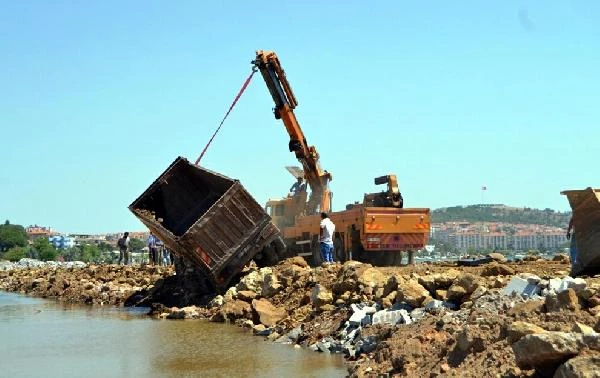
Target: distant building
{"x":62,"y":241}
{"x":36,"y":231}
{"x":500,"y":236}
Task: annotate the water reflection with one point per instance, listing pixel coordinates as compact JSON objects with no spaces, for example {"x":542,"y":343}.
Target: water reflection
{"x":45,"y":338}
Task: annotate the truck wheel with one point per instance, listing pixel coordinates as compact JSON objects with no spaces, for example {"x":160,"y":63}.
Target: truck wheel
{"x":339,"y":254}
{"x":398,"y":258}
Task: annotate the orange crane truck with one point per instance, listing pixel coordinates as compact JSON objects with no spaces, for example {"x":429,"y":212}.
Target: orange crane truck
{"x":377,"y":230}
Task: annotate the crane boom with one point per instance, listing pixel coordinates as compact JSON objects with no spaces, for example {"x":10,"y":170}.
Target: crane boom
{"x":285,"y":103}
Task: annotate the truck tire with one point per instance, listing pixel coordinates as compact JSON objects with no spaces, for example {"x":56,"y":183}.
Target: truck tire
{"x":339,"y":253}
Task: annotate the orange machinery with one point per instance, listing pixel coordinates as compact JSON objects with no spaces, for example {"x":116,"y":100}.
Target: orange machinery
{"x":377,"y":230}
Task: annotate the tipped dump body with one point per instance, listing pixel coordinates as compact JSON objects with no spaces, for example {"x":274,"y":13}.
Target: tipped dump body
{"x":205,"y":217}
{"x":586,"y":222}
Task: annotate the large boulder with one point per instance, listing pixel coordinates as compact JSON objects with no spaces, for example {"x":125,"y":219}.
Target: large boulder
{"x":468,"y":281}
{"x":320,"y":296}
{"x":580,"y":367}
{"x":270,"y":285}
{"x":412,"y":293}
{"x":565,"y":300}
{"x":517,"y":330}
{"x":371,"y":277}
{"x":267,"y":313}
{"x":544,"y":350}
{"x":456,"y":293}
{"x":253,"y":281}
{"x":347,"y":278}
{"x":497,"y":257}
{"x":235,"y":309}
{"x":495,"y":269}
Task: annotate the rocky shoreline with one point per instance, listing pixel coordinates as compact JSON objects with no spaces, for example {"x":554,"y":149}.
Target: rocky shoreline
{"x":499,"y":319}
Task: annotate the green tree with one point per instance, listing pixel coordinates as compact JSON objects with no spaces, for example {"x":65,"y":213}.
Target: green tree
{"x":136,"y":245}
{"x":44,"y":250}
{"x":71,"y":254}
{"x":90,"y":253}
{"x":15,"y":254}
{"x":105,"y":247}
{"x":12,"y":235}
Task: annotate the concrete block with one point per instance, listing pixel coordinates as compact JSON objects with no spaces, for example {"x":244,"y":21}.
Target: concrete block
{"x":391,"y":317}
{"x":521,"y":287}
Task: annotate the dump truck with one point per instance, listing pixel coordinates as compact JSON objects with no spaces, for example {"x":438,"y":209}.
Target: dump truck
{"x":585,"y":205}
{"x":209,"y":219}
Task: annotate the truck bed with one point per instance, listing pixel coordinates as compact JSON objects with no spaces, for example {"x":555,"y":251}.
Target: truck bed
{"x":586,"y":221}
{"x":206,"y":217}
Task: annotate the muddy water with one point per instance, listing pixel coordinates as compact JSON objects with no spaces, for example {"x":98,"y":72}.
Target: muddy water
{"x":40,"y":338}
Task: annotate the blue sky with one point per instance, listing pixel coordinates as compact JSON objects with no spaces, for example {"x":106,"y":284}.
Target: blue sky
{"x":98,"y":98}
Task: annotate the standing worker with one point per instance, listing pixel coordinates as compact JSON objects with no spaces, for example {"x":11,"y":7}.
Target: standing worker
{"x":123,"y":244}
{"x":298,"y":187}
{"x":152,"y":246}
{"x":327,"y":228}
{"x":573,"y":245}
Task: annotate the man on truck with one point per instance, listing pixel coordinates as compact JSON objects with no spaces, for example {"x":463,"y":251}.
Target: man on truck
{"x":327,"y":228}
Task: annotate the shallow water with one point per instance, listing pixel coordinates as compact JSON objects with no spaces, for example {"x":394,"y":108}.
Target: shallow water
{"x":43,"y":338}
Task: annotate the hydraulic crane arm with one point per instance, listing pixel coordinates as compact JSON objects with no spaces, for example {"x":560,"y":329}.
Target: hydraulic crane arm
{"x":285,"y":102}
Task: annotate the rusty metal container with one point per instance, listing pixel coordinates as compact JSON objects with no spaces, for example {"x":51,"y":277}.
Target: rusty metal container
{"x":586,"y":222}
{"x":206,"y":217}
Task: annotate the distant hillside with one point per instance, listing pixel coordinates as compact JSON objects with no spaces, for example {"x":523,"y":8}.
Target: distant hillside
{"x":500,"y":213}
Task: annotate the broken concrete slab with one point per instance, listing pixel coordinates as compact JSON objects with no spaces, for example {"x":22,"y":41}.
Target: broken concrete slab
{"x":521,"y":286}
{"x":391,"y":317}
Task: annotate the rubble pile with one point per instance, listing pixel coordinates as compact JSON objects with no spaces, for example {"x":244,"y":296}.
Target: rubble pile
{"x":499,"y":318}
{"x":78,"y":282}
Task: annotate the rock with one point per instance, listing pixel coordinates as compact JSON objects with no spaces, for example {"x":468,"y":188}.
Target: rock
{"x":230,"y":294}
{"x":412,"y":293}
{"x":521,"y":287}
{"x":270,"y":285}
{"x":359,"y":316}
{"x":518,"y":330}
{"x":561,"y":257}
{"x":495,"y":269}
{"x":565,"y":300}
{"x":527,"y":308}
{"x":498,"y":257}
{"x":267,"y":313}
{"x":579,"y":367}
{"x":595,"y":311}
{"x":446,"y":279}
{"x":253,"y":281}
{"x":435,"y":304}
{"x":372,"y":277}
{"x":261,"y":330}
{"x":478,"y":293}
{"x":543,"y":350}
{"x":467,"y":281}
{"x":444,"y":368}
{"x":392,"y":317}
{"x":235,"y":309}
{"x":441,"y":294}
{"x":295,"y":333}
{"x":246,"y":295}
{"x":298,"y":261}
{"x":320,"y":296}
{"x":456,"y":293}
{"x":584,"y":329}
{"x":428,"y":282}
{"x":577,"y":284}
